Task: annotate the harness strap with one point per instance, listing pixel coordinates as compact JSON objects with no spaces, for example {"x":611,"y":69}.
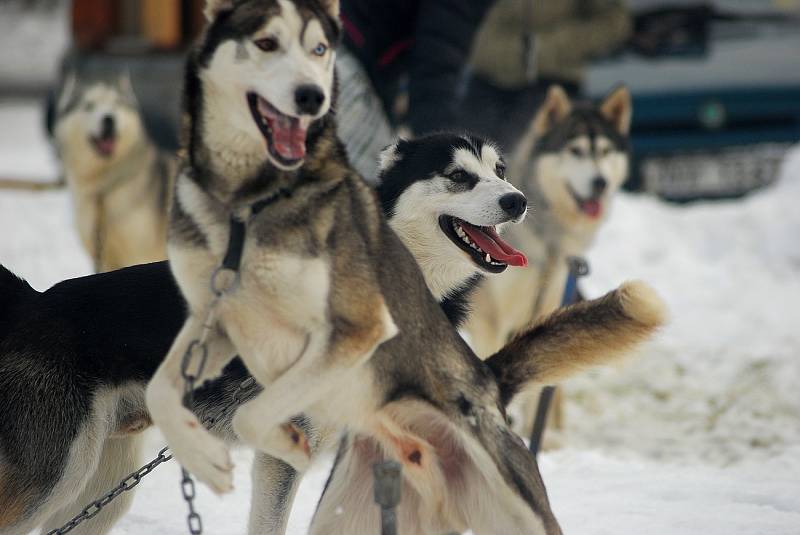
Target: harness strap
{"x":233,"y":255}
{"x":578,"y":267}
{"x":238,"y":231}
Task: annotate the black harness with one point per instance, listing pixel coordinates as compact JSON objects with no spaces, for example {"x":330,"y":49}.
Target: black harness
{"x":238,"y":230}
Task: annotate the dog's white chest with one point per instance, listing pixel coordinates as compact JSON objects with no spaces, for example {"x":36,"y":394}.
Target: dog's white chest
{"x":279,"y":300}
{"x":298,"y":287}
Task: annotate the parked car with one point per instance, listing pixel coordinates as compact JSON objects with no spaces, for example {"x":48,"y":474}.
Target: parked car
{"x":716,"y":103}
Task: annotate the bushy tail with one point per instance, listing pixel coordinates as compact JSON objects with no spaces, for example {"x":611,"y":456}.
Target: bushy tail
{"x":13,"y":291}
{"x":571,"y":339}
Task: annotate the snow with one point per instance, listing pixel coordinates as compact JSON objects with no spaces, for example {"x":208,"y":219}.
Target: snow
{"x":699,"y":433}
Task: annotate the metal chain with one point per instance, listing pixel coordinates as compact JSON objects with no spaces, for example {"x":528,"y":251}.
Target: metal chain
{"x":125,"y":485}
{"x":96,"y":506}
{"x":223,"y":280}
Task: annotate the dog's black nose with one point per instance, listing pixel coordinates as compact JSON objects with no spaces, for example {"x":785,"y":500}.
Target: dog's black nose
{"x":599,"y":185}
{"x":309,"y":99}
{"x":107,"y":126}
{"x":514,"y":204}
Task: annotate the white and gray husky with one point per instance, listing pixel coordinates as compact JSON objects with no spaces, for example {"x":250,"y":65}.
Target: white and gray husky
{"x":570,"y":164}
{"x":119,"y":180}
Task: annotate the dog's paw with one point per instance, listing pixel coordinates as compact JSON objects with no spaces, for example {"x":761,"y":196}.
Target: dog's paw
{"x":206,"y":458}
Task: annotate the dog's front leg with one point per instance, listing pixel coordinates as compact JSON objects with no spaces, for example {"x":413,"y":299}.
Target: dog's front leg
{"x":327,"y":359}
{"x":275,"y":484}
{"x":200,"y":452}
{"x":264,"y":421}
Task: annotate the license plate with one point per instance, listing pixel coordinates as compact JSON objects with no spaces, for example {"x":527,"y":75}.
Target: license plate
{"x":727,"y":173}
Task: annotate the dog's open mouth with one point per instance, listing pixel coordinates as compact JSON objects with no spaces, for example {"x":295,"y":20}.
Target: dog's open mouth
{"x":285,"y":136}
{"x":592,"y":207}
{"x":104,"y":145}
{"x":486,"y":248}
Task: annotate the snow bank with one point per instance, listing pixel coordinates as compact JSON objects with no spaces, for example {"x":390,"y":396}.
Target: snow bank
{"x":721,"y":381}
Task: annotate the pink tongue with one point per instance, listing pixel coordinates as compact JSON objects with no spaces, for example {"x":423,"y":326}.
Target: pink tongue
{"x":288,"y":138}
{"x":488,"y":240}
{"x":592,"y":208}
{"x":105,"y":145}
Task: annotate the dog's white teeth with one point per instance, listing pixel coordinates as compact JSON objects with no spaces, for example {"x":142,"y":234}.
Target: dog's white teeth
{"x":488,"y":258}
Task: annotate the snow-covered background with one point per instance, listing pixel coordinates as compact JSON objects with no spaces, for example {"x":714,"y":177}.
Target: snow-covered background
{"x":700,"y":433}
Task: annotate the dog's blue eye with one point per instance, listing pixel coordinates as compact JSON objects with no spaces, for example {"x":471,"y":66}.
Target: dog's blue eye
{"x":320,"y":50}
{"x":267,"y":44}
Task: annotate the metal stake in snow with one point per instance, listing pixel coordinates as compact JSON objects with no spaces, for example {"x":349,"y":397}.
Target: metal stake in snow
{"x":387,"y":493}
{"x":578,"y":267}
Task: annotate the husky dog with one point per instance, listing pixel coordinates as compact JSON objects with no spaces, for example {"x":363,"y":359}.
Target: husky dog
{"x":570,"y":163}
{"x":122,"y":341}
{"x":120,"y":181}
{"x":449,"y":182}
{"x":331,"y":313}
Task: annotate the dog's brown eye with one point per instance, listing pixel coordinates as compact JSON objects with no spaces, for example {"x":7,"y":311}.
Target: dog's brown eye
{"x":458,"y":176}
{"x":500,"y":169}
{"x":267,"y":44}
{"x":576,"y":151}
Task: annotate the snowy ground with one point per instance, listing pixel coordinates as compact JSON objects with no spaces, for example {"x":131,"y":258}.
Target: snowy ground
{"x":699,"y":434}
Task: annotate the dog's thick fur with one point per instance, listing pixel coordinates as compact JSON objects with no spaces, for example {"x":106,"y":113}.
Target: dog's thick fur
{"x":331,"y":314}
{"x":119,"y":180}
{"x":572,"y":339}
{"x":570,"y":163}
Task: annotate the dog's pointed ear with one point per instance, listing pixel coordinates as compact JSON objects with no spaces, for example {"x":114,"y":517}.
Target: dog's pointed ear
{"x":332,"y":7}
{"x":618,"y":109}
{"x":591,"y":333}
{"x":554,"y":109}
{"x":388,"y":157}
{"x":125,"y":85}
{"x":215,"y":7}
{"x":68,"y":90}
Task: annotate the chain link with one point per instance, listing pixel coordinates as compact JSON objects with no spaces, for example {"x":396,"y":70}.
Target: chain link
{"x":125,"y":485}
{"x":237,"y":398}
{"x":193,"y":519}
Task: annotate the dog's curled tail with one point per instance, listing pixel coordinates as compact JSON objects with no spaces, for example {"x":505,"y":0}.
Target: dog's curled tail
{"x":579,"y":336}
